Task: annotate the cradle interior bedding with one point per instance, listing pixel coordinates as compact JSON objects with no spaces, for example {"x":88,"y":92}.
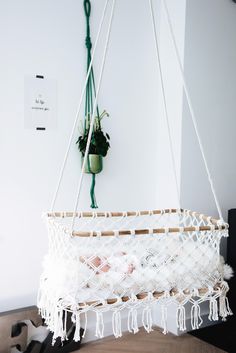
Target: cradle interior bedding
{"x":109,"y":267}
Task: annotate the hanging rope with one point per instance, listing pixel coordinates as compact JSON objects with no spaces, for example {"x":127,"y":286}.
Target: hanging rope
{"x":90,"y":87}
{"x":164,"y":102}
{"x":93,"y":114}
{"x":78,"y":111}
{"x":90,"y":93}
{"x":92,"y":192}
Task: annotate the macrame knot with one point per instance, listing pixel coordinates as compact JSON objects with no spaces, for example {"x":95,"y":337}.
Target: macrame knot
{"x":88,"y":43}
{"x":87,"y":8}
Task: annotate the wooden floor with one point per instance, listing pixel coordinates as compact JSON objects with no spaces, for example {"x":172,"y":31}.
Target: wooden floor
{"x":154,"y":342}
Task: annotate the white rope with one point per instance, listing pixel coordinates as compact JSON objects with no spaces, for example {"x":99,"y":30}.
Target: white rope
{"x":94,"y":111}
{"x":164,"y":101}
{"x":78,"y":109}
{"x":191,"y":108}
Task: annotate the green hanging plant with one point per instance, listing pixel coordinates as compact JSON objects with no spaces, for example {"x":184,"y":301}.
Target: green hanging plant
{"x":99,"y":142}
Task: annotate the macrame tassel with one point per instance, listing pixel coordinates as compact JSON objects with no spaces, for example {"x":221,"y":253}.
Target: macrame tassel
{"x":99,"y":325}
{"x":147,"y":319}
{"x":58,"y":326}
{"x":196,"y":320}
{"x":44,"y":304}
{"x":65,"y":325}
{"x":44,"y":309}
{"x":213,"y":309}
{"x":85,"y":324}
{"x":77,"y":327}
{"x":133,"y":321}
{"x":181,"y":318}
{"x":92,"y":192}
{"x":116,"y":324}
{"x":164,"y":319}
{"x":224,"y":307}
{"x":50,"y":322}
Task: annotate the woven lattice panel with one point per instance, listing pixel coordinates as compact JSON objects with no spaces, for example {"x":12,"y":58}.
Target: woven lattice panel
{"x":131,"y":260}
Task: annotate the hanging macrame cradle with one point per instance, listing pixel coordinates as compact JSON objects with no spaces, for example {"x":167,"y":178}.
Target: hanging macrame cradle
{"x":125,"y":262}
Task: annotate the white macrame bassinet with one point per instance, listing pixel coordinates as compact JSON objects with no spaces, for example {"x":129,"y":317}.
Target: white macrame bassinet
{"x":115,"y":261}
{"x":118,"y":261}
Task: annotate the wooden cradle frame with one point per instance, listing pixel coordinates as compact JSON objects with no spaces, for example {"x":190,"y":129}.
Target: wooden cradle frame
{"x":214,"y":223}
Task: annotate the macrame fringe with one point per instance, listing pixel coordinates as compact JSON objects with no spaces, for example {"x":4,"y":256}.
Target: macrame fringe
{"x":99,"y":325}
{"x":213,"y":309}
{"x":164,"y":319}
{"x":133,"y":320}
{"x":85,"y":324}
{"x":65,"y":325}
{"x":224,"y":307}
{"x":58,"y":326}
{"x":77,"y":327}
{"x":147,"y":319}
{"x":56,"y":316}
{"x":181,"y":318}
{"x":116,"y":324}
{"x":196,"y":320}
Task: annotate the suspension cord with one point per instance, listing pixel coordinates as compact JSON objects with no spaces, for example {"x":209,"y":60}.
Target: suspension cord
{"x":164,"y":101}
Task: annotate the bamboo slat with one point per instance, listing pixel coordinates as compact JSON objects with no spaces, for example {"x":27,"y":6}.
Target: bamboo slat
{"x":110,"y":233}
{"x":141,"y":296}
{"x":213,"y":224}
{"x":111,"y":214}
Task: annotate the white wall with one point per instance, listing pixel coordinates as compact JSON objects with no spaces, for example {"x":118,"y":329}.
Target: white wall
{"x":210,"y":54}
{"x":47,"y":38}
{"x":167,"y":195}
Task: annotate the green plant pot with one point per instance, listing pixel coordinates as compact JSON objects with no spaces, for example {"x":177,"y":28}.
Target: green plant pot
{"x":95,"y":164}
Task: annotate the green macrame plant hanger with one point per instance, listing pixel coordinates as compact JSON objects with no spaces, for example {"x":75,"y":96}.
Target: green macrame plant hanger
{"x":94,"y":163}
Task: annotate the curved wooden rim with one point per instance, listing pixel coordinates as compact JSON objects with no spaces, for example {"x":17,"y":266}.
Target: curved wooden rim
{"x":214,"y":223}
{"x":142,"y":296}
{"x":113,"y":214}
{"x":110,"y":233}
